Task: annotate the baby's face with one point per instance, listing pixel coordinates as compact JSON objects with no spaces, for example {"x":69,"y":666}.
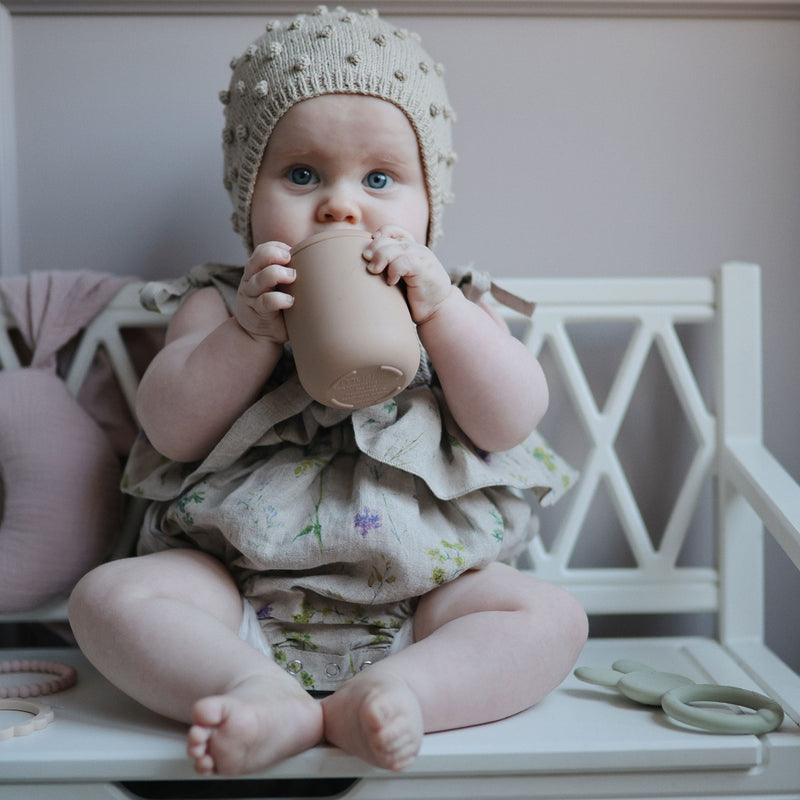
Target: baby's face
{"x":339,"y":161}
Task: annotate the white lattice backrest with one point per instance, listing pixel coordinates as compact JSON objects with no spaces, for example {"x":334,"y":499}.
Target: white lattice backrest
{"x":649,"y":320}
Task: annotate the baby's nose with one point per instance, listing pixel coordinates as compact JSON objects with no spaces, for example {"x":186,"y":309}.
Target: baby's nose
{"x":339,"y":205}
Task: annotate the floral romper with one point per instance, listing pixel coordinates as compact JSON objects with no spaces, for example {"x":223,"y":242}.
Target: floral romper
{"x":333,"y":522}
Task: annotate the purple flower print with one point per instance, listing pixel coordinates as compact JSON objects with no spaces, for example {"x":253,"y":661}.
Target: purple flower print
{"x":265,"y":612}
{"x":367,"y":521}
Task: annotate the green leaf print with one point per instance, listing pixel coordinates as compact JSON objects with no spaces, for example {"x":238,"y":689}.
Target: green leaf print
{"x":315,"y":526}
{"x":546,"y":457}
{"x":392,"y":526}
{"x":388,"y":407}
{"x":195,"y":497}
{"x":499,"y":527}
{"x":282,"y":659}
{"x":449,"y":555}
{"x":399,"y":456}
{"x":383,"y":631}
{"x":301,"y":641}
{"x":307,"y":679}
{"x":304,"y":467}
{"x":305,"y":615}
{"x":308,"y":612}
{"x":455,"y":442}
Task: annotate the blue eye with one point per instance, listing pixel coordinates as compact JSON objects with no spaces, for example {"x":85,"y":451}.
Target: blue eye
{"x":378,"y":180}
{"x":302,"y":176}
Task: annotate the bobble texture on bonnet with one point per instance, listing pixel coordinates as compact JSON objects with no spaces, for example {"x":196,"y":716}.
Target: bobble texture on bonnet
{"x":333,"y":52}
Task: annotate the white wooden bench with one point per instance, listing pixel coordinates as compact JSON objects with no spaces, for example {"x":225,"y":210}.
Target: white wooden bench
{"x":582,"y":741}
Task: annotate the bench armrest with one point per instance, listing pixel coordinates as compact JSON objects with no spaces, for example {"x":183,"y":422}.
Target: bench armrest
{"x":769,"y":489}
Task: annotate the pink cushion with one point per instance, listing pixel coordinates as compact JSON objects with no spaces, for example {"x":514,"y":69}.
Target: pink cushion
{"x":60,"y":504}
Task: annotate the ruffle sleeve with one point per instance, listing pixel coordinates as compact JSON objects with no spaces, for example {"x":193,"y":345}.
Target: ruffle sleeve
{"x":166,"y":295}
{"x":413,"y":433}
{"x":416,"y":433}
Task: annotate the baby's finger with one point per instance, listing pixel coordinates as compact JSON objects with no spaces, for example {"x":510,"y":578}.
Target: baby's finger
{"x":265,"y":254}
{"x":392,"y":231}
{"x":268,"y":279}
{"x":394,"y":256}
{"x":271,"y":302}
{"x":384,"y":235}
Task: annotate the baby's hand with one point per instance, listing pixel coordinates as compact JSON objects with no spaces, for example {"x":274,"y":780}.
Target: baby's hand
{"x":394,"y":252}
{"x":260,"y":301}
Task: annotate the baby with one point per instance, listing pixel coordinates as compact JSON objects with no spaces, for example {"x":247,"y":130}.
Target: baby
{"x":308,"y":574}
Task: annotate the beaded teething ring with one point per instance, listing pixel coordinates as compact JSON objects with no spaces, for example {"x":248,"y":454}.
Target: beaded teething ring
{"x":42,"y":715}
{"x":67,"y":677}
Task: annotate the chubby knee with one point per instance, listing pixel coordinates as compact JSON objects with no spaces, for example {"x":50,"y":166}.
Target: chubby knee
{"x":97,"y":592}
{"x":559,"y":606}
{"x":554,"y":626}
{"x":547,"y":616}
{"x":571,"y":620}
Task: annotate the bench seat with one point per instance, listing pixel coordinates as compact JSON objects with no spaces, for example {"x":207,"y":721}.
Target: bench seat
{"x":101,"y":744}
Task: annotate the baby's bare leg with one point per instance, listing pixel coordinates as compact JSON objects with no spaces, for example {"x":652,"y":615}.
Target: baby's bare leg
{"x":489,"y":644}
{"x":164,"y":629}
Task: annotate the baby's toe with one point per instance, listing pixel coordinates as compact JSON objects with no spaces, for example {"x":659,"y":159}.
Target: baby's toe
{"x":401,"y":750}
{"x":209,"y":712}
{"x":198,"y":735}
{"x":204,"y":765}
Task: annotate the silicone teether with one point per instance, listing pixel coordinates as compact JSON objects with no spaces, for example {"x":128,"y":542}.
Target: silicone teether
{"x":66,"y":678}
{"x":676,"y":693}
{"x":42,"y":717}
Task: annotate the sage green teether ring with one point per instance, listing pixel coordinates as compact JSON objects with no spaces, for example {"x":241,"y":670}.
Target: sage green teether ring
{"x":676,"y":693}
{"x":678,"y":704}
{"x":648,"y":688}
{"x":636,"y":681}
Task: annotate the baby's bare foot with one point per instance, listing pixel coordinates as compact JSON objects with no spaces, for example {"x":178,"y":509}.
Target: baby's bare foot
{"x":258,"y":722}
{"x":375,"y":718}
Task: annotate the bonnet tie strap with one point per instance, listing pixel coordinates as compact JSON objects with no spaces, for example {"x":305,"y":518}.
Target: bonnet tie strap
{"x":475,"y":284}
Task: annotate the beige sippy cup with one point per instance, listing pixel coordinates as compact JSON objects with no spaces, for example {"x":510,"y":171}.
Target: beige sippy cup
{"x":352,"y":335}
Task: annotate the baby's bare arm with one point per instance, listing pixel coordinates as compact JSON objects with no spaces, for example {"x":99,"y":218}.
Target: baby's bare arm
{"x":494,"y":386}
{"x":214,"y":365}
{"x":207,"y":374}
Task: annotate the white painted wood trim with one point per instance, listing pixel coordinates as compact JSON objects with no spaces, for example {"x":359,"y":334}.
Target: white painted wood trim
{"x":768,"y":488}
{"x":754,"y":9}
{"x":613,"y":298}
{"x":9,"y":227}
{"x":772,"y":676}
{"x":739,"y":416}
{"x":740,"y":394}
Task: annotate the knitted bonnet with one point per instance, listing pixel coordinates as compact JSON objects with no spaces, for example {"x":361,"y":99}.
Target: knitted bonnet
{"x":333,"y":52}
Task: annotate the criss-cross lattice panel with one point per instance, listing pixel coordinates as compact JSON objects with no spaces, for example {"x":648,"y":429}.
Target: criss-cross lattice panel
{"x":637,"y":559}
